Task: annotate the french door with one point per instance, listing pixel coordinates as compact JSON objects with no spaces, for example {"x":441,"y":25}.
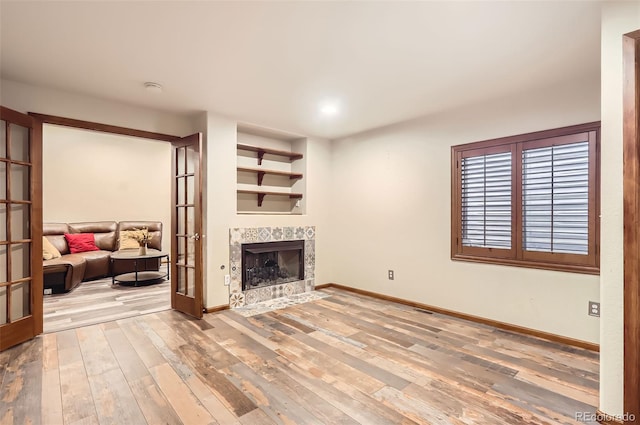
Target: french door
{"x":186,"y":224}
{"x":20,"y":228}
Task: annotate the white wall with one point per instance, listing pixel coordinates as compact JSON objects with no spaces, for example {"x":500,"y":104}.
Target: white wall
{"x":221,"y":157}
{"x":391,"y":198}
{"x":93,"y":176}
{"x":618,"y":18}
{"x":26,"y":98}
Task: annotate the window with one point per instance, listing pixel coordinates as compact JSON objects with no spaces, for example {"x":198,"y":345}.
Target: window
{"x":530,"y":200}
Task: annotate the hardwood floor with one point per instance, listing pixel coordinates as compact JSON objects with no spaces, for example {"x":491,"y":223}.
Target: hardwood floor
{"x":345,"y":359}
{"x":99,"y":301}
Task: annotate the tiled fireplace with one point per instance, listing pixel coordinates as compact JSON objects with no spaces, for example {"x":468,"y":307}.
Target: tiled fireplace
{"x":278,"y":262}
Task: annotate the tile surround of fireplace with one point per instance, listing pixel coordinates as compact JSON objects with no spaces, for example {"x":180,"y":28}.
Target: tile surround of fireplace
{"x":252,"y":235}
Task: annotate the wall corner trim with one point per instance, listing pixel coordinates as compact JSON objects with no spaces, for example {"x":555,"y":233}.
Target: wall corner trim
{"x":216,"y":309}
{"x":605,"y":419}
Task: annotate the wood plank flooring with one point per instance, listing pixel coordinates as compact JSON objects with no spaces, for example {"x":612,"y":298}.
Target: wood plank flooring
{"x":345,"y":359}
{"x":98,"y":301}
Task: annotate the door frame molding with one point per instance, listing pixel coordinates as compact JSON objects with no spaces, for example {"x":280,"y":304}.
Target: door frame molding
{"x":631,"y":199}
{"x":104,"y":128}
{"x":36,"y":224}
{"x":42,"y":119}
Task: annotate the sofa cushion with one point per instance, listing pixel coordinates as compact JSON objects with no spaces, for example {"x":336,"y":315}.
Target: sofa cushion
{"x":104,"y":232}
{"x":55,"y":233}
{"x":81,"y":242}
{"x":98,"y":263}
{"x":49,"y":252}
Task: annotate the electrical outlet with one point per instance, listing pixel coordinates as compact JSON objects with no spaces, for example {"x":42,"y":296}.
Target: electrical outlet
{"x":227,"y":280}
{"x":390,"y":274}
{"x":594,"y":309}
{"x":48,"y":291}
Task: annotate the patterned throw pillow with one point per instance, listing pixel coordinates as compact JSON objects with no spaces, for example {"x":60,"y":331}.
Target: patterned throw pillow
{"x":127,"y":241}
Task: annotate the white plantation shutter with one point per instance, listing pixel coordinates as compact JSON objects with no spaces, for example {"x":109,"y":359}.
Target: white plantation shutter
{"x":486,"y":200}
{"x":555,"y":198}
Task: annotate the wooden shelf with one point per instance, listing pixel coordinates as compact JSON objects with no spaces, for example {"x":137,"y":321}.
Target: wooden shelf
{"x":262,"y":173}
{"x":262,"y":151}
{"x":262,"y":194}
{"x":282,"y":176}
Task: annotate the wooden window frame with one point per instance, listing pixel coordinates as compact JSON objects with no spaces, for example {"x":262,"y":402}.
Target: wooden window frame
{"x":517,"y":256}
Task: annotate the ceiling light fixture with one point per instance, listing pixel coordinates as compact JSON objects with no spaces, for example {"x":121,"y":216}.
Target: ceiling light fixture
{"x":329,"y":108}
{"x":153,"y":87}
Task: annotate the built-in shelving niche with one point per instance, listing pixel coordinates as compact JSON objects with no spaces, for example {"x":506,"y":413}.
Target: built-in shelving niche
{"x":271,"y":168}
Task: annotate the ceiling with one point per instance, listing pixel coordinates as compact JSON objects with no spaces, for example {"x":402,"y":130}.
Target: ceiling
{"x":272,"y":63}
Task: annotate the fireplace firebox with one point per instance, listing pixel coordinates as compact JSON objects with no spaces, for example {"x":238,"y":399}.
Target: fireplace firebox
{"x":272,"y":263}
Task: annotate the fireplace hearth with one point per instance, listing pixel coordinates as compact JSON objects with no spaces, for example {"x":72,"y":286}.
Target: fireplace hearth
{"x":272,"y":263}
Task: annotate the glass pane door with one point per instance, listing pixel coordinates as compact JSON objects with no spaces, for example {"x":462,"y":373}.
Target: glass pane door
{"x":20,"y":229}
{"x":187,"y":213}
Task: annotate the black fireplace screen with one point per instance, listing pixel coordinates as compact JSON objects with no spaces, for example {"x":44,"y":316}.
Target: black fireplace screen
{"x":272,"y":263}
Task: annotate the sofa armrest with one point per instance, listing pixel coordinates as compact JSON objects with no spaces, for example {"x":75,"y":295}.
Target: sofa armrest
{"x":73,"y":265}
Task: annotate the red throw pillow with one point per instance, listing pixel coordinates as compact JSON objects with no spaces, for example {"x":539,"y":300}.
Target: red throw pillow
{"x":81,"y":242}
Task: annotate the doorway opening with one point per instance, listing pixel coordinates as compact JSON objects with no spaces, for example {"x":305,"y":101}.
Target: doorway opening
{"x":137,"y":180}
{"x":108,"y":186}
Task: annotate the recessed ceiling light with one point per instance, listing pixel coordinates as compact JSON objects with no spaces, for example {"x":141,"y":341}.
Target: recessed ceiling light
{"x":329,"y":108}
{"x":153,"y":87}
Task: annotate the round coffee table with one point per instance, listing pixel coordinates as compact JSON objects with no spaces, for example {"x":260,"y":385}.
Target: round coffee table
{"x":137,"y":276}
